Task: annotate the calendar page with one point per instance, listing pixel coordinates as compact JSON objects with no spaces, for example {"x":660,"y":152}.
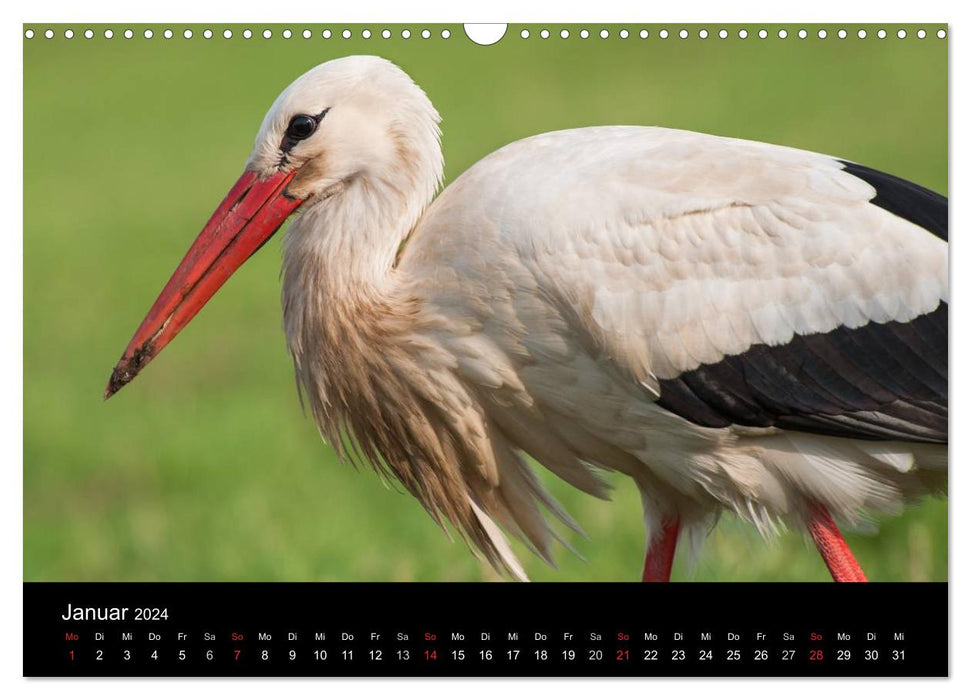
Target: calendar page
{"x":503,"y":350}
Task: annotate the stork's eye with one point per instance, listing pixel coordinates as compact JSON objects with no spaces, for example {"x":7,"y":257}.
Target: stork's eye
{"x":300,"y":127}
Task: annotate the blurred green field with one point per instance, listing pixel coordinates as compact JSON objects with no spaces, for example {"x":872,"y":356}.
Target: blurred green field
{"x":205,"y":468}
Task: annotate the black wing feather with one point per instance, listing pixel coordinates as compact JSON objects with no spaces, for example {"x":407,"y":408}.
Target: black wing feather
{"x":910,"y":201}
{"x":880,"y":382}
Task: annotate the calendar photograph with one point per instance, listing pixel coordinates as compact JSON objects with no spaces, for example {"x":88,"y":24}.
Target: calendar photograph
{"x":439,"y":304}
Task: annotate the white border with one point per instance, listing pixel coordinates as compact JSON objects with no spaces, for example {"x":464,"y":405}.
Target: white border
{"x":814,"y":11}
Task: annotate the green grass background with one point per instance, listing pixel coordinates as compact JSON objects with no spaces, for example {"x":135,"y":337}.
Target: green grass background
{"x":205,"y":468}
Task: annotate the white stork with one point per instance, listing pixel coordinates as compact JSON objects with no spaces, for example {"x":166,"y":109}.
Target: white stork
{"x":734,"y":325}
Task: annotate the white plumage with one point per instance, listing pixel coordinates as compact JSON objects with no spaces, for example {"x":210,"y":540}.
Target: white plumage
{"x":678,"y":307}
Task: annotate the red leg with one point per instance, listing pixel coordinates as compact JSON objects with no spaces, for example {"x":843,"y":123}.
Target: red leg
{"x":831,"y":545}
{"x":660,"y":555}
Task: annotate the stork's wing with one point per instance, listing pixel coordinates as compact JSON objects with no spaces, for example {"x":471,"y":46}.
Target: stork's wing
{"x":739,"y":283}
{"x":878,"y":380}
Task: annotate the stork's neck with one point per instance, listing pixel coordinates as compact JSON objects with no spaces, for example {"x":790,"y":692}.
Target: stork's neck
{"x":368,"y":361}
{"x":345,"y":246}
{"x":342,"y":306}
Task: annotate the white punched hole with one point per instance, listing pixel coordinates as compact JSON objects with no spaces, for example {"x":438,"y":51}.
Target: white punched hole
{"x":109,"y":34}
{"x":327,"y":34}
{"x":763,"y":34}
{"x":683,"y":34}
{"x":663,"y":33}
{"x":267,"y":34}
{"x":821,"y":33}
{"x":484,"y":34}
{"x":207,"y":34}
{"x":187,"y":34}
{"x":901,"y":33}
{"x":129,"y":33}
{"x":604,"y":33}
{"x":29,"y":34}
{"x":882,"y":34}
{"x":722,"y":33}
{"x":405,"y":33}
{"x":228,"y":34}
{"x":783,"y":34}
{"x":167,"y":34}
{"x":524,"y":34}
{"x":68,"y":33}
{"x":386,"y":34}
{"x":346,"y":33}
{"x":624,"y":33}
{"x":941,"y":34}
{"x":703,"y":33}
{"x":247,"y":34}
{"x":149,"y":34}
{"x":366,"y":33}
{"x":644,"y":34}
{"x":742,"y":34}
{"x":287,"y":34}
{"x":584,"y":34}
{"x":425,"y":34}
{"x":803,"y":34}
{"x":564,"y":33}
{"x":446,"y":34}
{"x":841,"y":33}
{"x":306,"y":34}
{"x":88,"y":34}
{"x":861,"y":33}
{"x":544,"y":34}
{"x":921,"y":34}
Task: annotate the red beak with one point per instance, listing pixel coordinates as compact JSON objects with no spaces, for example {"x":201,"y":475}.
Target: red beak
{"x":252,"y":212}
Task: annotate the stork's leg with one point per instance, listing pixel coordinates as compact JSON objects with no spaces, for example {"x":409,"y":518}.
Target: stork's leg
{"x":660,"y":553}
{"x":831,"y":545}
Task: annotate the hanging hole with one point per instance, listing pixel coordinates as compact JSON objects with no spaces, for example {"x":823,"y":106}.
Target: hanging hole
{"x":485,"y":34}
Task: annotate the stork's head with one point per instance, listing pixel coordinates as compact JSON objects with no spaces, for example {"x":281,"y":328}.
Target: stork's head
{"x":357,"y":123}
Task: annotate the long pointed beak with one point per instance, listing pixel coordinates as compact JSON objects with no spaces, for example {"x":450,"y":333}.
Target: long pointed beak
{"x":252,"y":212}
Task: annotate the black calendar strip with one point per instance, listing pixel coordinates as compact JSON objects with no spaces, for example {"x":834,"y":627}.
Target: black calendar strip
{"x":333,"y":629}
